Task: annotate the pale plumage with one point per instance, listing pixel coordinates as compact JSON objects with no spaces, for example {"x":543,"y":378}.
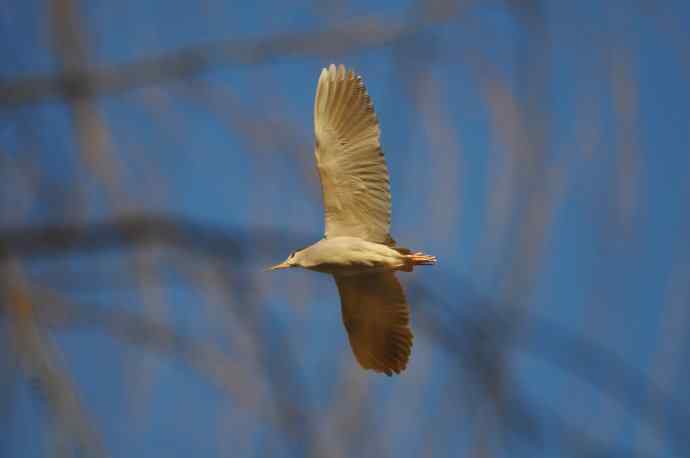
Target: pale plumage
{"x":354,"y":177}
{"x":358,"y":249}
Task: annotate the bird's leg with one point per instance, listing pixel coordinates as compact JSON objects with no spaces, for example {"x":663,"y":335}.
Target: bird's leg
{"x":417,"y":259}
{"x":421,"y":259}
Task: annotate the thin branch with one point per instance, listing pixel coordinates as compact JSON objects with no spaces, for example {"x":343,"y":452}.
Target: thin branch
{"x":51,"y":240}
{"x":368,"y":32}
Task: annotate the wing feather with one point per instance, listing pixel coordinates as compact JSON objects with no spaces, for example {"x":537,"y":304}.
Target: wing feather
{"x":377,"y":317}
{"x":353,"y":172}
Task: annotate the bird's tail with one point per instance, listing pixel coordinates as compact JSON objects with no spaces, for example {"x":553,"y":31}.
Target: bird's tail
{"x":417,"y":259}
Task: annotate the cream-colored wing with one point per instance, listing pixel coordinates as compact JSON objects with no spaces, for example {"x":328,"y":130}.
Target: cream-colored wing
{"x":354,"y":177}
{"x":377,"y":317}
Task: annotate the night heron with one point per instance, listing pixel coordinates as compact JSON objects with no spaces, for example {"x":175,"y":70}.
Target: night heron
{"x":357,"y":248}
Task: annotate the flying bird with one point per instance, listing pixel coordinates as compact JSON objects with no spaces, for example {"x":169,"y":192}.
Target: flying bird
{"x":357,"y":248}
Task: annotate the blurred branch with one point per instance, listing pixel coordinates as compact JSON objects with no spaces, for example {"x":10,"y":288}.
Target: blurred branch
{"x":480,"y":337}
{"x":39,"y":360}
{"x":365,"y":32}
{"x":287,"y":385}
{"x":139,"y":330}
{"x":471,"y":339}
{"x":482,"y":340}
{"x":533,"y":205}
{"x":133,"y":230}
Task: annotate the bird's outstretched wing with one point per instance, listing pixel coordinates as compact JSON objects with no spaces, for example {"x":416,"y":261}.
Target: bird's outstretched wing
{"x":376,"y":316}
{"x":354,"y":177}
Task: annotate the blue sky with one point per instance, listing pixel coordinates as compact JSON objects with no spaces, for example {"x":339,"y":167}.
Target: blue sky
{"x":600,"y":322}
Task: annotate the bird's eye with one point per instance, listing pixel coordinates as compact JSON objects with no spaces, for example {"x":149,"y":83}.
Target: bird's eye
{"x":292,"y":255}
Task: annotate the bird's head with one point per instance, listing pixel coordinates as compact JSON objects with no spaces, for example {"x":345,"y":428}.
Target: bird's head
{"x":291,"y":261}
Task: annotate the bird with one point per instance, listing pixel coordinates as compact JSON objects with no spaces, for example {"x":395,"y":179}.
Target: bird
{"x":357,"y":248}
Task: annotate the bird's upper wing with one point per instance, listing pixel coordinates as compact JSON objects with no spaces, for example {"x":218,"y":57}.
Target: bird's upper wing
{"x":376,"y":316}
{"x":354,"y":177}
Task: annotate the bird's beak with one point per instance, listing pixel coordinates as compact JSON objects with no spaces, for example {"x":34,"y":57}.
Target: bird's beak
{"x":282,"y":265}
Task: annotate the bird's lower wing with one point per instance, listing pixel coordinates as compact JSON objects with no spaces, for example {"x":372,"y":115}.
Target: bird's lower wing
{"x":376,"y":316}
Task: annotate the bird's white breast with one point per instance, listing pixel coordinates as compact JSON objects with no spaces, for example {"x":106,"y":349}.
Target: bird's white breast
{"x":350,"y":255}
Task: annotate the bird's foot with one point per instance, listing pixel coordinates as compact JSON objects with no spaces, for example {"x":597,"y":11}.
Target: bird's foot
{"x":421,"y":259}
